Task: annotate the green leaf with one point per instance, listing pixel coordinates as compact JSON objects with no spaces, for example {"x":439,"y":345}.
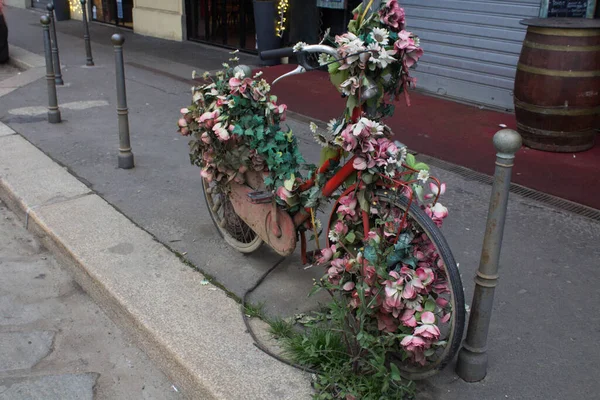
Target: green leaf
{"x":350,"y":237}
{"x":395,"y":372}
{"x":420,"y":166}
{"x":362,"y":200}
{"x":429,"y":305}
{"x":351,"y":103}
{"x":370,"y":254}
{"x":367,"y":178}
{"x":410,"y":160}
{"x":289,"y":183}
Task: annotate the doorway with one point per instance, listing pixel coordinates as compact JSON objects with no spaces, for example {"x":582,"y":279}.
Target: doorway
{"x":114,"y":12}
{"x":228,"y":23}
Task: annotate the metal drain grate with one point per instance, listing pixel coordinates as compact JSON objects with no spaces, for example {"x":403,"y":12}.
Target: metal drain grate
{"x":546,"y":199}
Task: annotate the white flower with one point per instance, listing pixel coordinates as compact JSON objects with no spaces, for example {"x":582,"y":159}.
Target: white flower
{"x":299,"y":46}
{"x":380,"y":56}
{"x":194,"y":74}
{"x":240,"y":74}
{"x":331,"y":125}
{"x":417,"y":41}
{"x":258,"y":74}
{"x":225,"y":65}
{"x":374,"y":128}
{"x":401,"y":156}
{"x":235,"y":51}
{"x":206,"y":75}
{"x":380,"y":35}
{"x":423,"y":175}
{"x":313,"y":127}
{"x":197,"y":96}
{"x":333,"y":236}
{"x":324,"y":58}
{"x":234,"y":59}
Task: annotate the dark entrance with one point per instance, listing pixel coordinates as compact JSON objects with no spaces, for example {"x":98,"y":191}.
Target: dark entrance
{"x":40,"y":3}
{"x":227,"y":23}
{"x":114,"y":12}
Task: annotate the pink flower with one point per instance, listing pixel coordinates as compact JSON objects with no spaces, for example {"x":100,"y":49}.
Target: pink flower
{"x":238,"y":85}
{"x":281,"y":109}
{"x":359,"y":163}
{"x":442,"y":302}
{"x":411,"y":57}
{"x":408,"y":318}
{"x":348,"y":286}
{"x":350,"y":141}
{"x":386,"y":323}
{"x":221,"y":132}
{"x":413,"y":343}
{"x":404,"y":42}
{"x":208,"y":118}
{"x":348,"y":205}
{"x":340,"y":228}
{"x":427,"y":317}
{"x":435,"y":190}
{"x":206,"y":138}
{"x":437,"y":213}
{"x":326,"y":255}
{"x":393,"y":292}
{"x":392,"y":15}
{"x":425,"y":275}
{"x":430,"y":332}
{"x":283,"y":193}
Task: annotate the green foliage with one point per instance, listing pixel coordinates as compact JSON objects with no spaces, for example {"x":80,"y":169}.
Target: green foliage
{"x":344,"y":374}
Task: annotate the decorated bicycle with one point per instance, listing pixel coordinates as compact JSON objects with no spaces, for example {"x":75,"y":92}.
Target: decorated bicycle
{"x":383,"y":252}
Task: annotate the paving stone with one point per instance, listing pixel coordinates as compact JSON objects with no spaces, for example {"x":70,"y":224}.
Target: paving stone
{"x":52,"y":387}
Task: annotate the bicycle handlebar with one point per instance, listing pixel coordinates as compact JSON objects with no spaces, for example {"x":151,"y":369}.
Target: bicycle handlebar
{"x":276,"y":53}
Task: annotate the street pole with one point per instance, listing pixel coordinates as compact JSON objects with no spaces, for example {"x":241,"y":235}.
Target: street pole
{"x":86,"y":36}
{"x":55,"y":57}
{"x":53,"y":111}
{"x":472,"y":358}
{"x":125,"y":154}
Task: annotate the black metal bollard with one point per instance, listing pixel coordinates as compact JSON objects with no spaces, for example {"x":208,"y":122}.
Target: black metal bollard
{"x":53,"y":111}
{"x":55,"y":57}
{"x":472,"y":358}
{"x":125,"y":154}
{"x":86,"y":36}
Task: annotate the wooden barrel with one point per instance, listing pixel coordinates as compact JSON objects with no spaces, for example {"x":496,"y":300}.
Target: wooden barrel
{"x":557,"y":87}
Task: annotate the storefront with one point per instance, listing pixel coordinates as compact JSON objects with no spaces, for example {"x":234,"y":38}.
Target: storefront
{"x":40,"y":3}
{"x":114,"y":12}
{"x":227,"y":23}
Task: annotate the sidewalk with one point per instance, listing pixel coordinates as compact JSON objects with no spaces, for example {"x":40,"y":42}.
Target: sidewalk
{"x":55,"y":342}
{"x":543,"y":341}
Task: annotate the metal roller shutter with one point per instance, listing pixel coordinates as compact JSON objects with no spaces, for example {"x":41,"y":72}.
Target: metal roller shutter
{"x":471,"y":46}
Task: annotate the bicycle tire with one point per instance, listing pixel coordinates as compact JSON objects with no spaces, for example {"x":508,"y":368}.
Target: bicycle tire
{"x":455,"y":284}
{"x":250,"y":241}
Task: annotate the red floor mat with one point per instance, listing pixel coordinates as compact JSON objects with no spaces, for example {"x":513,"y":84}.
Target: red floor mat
{"x":454,"y":132}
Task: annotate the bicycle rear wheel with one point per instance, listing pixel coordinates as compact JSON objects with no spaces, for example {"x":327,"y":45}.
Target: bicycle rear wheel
{"x":229,"y":225}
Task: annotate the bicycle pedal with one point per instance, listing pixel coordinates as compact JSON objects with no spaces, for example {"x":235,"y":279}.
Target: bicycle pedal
{"x":262,"y":197}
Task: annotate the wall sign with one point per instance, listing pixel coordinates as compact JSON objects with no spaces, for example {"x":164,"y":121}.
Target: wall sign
{"x":568,"y":8}
{"x":336,"y":4}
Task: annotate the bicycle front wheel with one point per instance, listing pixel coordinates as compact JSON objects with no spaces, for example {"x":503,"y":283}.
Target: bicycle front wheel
{"x":426,"y":265}
{"x":447,"y":275}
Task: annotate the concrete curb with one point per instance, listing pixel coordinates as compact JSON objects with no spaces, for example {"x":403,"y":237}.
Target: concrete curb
{"x":193,"y":332}
{"x":33,"y":67}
